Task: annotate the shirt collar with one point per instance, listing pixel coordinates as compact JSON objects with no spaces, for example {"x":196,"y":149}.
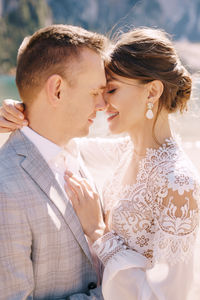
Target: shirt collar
{"x":48,"y":149}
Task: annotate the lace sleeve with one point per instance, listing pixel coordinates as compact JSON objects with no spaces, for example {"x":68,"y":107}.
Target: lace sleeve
{"x":171,"y":194}
{"x":108,"y":246}
{"x":176,"y":211}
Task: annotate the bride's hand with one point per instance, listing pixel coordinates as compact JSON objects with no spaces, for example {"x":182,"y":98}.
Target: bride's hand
{"x":87,"y":206}
{"x":11,"y":116}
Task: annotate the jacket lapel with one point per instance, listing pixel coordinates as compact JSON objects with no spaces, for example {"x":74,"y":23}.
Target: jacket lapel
{"x":37,"y":168}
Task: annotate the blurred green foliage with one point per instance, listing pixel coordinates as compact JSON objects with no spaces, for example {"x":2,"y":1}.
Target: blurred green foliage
{"x":18,"y":23}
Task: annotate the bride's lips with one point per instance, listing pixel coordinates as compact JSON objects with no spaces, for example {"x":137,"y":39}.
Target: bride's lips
{"x":112,"y":115}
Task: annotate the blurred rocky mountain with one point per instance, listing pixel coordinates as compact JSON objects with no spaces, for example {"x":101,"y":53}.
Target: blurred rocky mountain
{"x":18,"y":18}
{"x":178,"y":17}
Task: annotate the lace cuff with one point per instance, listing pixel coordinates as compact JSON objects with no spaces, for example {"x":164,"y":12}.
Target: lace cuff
{"x":108,"y":246}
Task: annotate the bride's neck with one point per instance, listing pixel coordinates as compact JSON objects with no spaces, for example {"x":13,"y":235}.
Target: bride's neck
{"x":149,"y":136}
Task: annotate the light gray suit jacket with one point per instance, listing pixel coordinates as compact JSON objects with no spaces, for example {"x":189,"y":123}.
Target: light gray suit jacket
{"x":43,"y":251}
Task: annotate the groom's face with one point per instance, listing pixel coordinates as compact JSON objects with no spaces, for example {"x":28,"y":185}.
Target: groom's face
{"x":84,"y":96}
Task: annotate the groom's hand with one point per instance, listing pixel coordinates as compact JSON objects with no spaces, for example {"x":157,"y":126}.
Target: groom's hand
{"x":11,"y":116}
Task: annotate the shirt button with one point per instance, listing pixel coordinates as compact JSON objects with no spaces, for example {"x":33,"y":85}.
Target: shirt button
{"x":92,"y":285}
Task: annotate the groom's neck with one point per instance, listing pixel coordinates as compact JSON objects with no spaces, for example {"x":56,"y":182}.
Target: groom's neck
{"x":44,"y":121}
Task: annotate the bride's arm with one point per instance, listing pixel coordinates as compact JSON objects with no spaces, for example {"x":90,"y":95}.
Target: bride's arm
{"x":129,"y":275}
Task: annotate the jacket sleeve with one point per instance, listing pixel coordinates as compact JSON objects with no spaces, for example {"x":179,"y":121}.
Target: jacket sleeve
{"x":16,"y":271}
{"x":94,"y":294}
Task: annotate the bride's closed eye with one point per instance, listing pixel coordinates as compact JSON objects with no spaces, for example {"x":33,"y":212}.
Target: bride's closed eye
{"x":111,"y":91}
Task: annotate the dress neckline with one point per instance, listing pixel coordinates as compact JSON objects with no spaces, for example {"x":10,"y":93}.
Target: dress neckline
{"x":151,"y":158}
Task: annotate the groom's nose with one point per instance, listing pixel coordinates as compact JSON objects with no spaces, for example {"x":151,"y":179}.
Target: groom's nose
{"x":101,"y":104}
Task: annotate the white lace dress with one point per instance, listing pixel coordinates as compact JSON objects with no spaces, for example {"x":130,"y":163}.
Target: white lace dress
{"x":149,"y":252}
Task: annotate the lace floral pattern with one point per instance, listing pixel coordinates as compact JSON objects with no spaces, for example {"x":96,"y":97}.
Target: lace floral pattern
{"x":114,"y":244}
{"x":158,"y":215}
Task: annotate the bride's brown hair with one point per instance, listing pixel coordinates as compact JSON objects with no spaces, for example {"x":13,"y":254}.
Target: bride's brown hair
{"x":147,"y":54}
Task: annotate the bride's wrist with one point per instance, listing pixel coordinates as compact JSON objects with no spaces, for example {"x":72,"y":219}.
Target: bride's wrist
{"x":98,"y":233}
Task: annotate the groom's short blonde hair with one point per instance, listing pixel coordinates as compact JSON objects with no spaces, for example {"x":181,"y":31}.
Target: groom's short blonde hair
{"x":49,"y":51}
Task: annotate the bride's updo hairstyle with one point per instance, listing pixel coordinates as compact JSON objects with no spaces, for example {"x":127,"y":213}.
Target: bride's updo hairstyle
{"x":147,"y":54}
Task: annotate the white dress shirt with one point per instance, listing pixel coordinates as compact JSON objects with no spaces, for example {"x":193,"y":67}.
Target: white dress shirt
{"x":59,"y":159}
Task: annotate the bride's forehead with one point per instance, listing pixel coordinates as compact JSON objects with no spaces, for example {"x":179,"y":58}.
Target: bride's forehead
{"x":116,"y":79}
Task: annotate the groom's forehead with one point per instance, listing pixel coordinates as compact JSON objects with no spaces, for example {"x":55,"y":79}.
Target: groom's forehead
{"x":88,"y":63}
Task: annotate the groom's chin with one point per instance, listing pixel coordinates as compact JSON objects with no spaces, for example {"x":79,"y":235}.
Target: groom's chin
{"x":83,"y":132}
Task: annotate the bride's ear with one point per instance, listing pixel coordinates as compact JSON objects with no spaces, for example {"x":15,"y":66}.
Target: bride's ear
{"x":155,"y":90}
{"x":53,"y":89}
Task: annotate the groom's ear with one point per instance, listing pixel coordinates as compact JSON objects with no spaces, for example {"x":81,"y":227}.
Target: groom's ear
{"x":53,"y":89}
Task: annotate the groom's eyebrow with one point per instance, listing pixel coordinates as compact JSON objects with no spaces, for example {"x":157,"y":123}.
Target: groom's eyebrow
{"x":100,"y":88}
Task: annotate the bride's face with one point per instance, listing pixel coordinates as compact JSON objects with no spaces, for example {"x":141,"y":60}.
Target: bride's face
{"x":126,"y":104}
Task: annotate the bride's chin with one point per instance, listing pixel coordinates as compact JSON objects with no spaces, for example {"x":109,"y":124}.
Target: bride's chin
{"x":114,"y":126}
{"x":114,"y":130}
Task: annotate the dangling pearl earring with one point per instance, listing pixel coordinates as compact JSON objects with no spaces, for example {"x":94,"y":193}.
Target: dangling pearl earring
{"x":149,"y":114}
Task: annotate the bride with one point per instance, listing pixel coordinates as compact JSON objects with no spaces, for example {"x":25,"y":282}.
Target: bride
{"x":151,"y":202}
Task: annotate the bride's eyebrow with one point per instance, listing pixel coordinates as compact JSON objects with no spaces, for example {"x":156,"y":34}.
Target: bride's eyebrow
{"x":111,"y":77}
{"x":112,"y":80}
{"x":116,"y":80}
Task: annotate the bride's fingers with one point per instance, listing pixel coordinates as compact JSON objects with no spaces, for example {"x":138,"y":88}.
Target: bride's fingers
{"x":5,"y":130}
{"x":72,"y":197}
{"x":19,"y":106}
{"x":9,"y":117}
{"x":76,"y":187}
{"x":7,"y":126}
{"x":14,"y":108}
{"x":82,"y":187}
{"x":81,"y":181}
{"x":87,"y":185}
{"x":68,"y":173}
{"x":88,"y":192}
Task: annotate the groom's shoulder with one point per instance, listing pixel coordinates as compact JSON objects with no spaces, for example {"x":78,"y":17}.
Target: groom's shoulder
{"x":7,"y":153}
{"x":7,"y":150}
{"x":9,"y":160}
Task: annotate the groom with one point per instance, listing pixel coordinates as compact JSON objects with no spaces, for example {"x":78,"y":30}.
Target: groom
{"x":43,"y":252}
